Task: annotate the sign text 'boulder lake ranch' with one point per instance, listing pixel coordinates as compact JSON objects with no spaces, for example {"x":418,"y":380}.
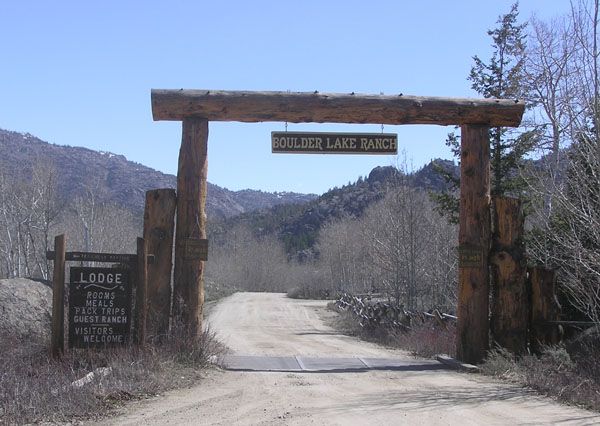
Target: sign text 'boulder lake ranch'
{"x":334,"y":143}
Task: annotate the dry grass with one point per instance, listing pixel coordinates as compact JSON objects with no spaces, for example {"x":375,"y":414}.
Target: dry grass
{"x":428,"y":340}
{"x":569,"y":372}
{"x":425,"y":340}
{"x":34,"y":387}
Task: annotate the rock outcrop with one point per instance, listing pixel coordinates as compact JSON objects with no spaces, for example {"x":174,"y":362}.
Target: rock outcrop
{"x":25,"y":309}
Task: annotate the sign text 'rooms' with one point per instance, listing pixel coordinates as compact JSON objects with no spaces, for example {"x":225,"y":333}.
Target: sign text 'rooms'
{"x":334,"y":143}
{"x":99,"y":307}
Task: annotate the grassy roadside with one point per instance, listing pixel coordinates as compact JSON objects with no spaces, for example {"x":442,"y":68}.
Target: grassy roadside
{"x":36,"y":388}
{"x":569,"y":373}
{"x":424,"y":340}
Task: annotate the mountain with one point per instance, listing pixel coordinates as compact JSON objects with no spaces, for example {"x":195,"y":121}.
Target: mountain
{"x":298,"y":225}
{"x":117,"y":180}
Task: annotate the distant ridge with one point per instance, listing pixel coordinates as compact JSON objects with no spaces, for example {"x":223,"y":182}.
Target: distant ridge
{"x":118,"y":180}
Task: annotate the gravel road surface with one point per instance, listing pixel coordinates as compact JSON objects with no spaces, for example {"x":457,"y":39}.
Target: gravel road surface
{"x":271,"y":324}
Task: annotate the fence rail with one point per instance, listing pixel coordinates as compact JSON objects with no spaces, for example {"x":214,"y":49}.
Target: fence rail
{"x":380,"y":314}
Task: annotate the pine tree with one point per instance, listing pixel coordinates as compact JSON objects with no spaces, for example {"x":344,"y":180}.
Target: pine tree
{"x":501,"y":77}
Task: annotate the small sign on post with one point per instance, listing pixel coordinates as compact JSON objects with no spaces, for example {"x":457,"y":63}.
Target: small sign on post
{"x":99,"y":307}
{"x":470,"y":256}
{"x":334,"y":143}
{"x":195,"y":248}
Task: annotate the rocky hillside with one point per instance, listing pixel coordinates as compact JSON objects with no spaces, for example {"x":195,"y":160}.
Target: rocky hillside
{"x":118,"y":180}
{"x":298,"y":225}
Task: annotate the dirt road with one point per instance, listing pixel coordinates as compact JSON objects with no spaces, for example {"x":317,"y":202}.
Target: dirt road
{"x":270,"y":324}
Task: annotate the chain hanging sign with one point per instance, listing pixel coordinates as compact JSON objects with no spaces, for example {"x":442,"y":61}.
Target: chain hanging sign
{"x":334,"y":143}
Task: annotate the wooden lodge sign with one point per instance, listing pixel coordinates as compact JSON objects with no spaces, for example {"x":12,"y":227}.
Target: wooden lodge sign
{"x":99,"y":307}
{"x":334,"y":143}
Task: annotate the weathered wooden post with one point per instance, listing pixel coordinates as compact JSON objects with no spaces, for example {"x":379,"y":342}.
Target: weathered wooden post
{"x":159,"y":230}
{"x":57,"y":344}
{"x":188,"y":286}
{"x":474,"y":244}
{"x":141,"y":295}
{"x":544,"y":308}
{"x":510,"y":299}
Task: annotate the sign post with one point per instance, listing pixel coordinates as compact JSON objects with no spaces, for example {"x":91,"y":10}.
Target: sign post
{"x":57,"y":344}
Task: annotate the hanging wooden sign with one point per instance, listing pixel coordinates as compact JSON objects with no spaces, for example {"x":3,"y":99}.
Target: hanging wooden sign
{"x":334,"y":143}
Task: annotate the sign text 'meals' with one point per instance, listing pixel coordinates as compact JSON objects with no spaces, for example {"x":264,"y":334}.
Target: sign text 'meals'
{"x":334,"y":143}
{"x":99,"y":307}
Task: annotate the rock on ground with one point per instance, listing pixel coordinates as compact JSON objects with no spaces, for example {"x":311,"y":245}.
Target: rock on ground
{"x":25,"y":309}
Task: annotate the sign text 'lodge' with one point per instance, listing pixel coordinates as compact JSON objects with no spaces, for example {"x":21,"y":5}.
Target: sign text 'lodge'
{"x":334,"y":143}
{"x":99,"y":307}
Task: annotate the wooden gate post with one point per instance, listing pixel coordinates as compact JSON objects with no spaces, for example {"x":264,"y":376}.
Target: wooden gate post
{"x":159,"y":229}
{"x":544,"y":308}
{"x":141,"y":293}
{"x":188,"y":286}
{"x":474,"y":244}
{"x":57,"y":345}
{"x":510,"y":313}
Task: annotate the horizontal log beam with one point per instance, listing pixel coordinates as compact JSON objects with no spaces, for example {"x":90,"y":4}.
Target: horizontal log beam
{"x":304,"y":107}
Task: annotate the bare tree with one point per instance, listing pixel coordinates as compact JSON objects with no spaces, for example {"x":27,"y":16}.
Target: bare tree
{"x":28,"y":209}
{"x":551,"y":70}
{"x":567,"y":235}
{"x":242,"y":261}
{"x":95,"y":225}
{"x":345,"y":257}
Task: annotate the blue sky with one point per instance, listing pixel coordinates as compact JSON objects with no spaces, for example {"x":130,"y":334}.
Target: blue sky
{"x":79,"y":73}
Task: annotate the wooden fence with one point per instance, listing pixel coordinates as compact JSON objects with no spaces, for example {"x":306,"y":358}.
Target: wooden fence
{"x":373,"y":314}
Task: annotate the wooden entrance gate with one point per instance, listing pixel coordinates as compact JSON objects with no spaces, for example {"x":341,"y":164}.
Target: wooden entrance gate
{"x":195,"y":108}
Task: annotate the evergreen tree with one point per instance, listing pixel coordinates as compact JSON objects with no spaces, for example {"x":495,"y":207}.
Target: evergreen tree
{"x":501,"y":77}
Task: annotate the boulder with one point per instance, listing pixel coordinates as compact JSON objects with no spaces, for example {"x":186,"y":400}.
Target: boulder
{"x":25,"y":309}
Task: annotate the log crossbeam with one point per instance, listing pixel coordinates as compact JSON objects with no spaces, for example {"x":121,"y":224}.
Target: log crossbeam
{"x":315,"y":107}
